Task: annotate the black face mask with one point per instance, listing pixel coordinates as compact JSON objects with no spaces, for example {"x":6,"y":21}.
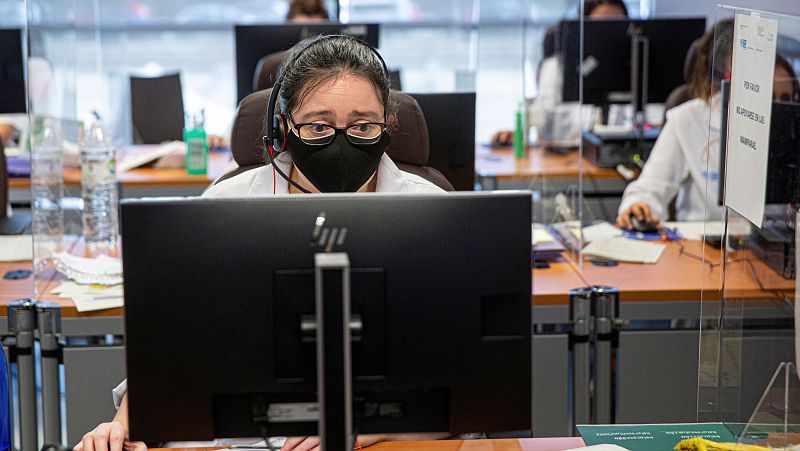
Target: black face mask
{"x":339,"y":167}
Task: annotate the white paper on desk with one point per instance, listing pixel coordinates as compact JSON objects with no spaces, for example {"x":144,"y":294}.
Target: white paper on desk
{"x":90,"y":297}
{"x":102,"y":270}
{"x":599,"y":231}
{"x":15,"y":248}
{"x":540,"y":235}
{"x":148,"y":153}
{"x":749,"y":113}
{"x":624,"y":250}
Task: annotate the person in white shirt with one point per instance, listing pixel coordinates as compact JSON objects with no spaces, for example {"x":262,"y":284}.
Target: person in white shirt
{"x":684,"y":162}
{"x":334,"y":102}
{"x":551,"y":74}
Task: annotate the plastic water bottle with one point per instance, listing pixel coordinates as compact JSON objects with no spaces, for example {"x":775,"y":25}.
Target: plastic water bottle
{"x":99,"y":190}
{"x":47,"y":185}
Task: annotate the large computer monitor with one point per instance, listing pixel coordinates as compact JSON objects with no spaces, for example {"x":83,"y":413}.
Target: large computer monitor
{"x":254,"y":42}
{"x":219,"y":295}
{"x":451,"y":141}
{"x":12,"y":75}
{"x":783,"y":161}
{"x":607,"y":57}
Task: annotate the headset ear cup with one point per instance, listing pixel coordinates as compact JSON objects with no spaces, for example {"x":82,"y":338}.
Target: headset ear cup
{"x":278,"y":132}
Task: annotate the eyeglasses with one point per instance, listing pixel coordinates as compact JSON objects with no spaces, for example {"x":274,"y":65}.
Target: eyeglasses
{"x":315,"y":134}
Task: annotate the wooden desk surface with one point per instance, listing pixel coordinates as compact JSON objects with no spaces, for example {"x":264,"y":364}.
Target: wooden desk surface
{"x":678,"y":276}
{"x":538,"y":163}
{"x":11,"y":290}
{"x":524,"y":444}
{"x":681,"y":275}
{"x":551,"y":285}
{"x":148,"y":176}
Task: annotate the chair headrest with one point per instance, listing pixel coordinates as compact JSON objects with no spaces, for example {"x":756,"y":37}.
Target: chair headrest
{"x":267,"y":70}
{"x":409,"y":133}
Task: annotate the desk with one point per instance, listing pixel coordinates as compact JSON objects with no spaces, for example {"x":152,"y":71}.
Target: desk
{"x":680,"y":275}
{"x":547,"y":173}
{"x":139,"y":182}
{"x":92,"y":364}
{"x":500,"y":163}
{"x":669,"y":291}
{"x":523,"y":444}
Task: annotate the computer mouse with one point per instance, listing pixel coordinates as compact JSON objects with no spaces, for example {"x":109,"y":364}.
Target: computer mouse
{"x":643,"y":226}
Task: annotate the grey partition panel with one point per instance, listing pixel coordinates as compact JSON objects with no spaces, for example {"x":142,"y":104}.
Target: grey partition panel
{"x":550,"y":386}
{"x":90,"y":373}
{"x":657,"y":376}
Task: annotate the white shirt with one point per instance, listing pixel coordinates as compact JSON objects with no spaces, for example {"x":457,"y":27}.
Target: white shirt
{"x":684,"y":161}
{"x":258,"y":182}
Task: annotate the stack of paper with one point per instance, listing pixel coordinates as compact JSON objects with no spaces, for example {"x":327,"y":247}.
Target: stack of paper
{"x":144,"y":154}
{"x":90,"y":297}
{"x":540,"y":235}
{"x":624,"y":250}
{"x":599,"y":231}
{"x":15,"y":248}
{"x":102,"y":270}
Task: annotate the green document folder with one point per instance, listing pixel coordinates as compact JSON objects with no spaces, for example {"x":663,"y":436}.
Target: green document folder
{"x":653,"y":437}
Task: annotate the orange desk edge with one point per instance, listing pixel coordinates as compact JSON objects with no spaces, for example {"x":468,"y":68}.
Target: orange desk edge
{"x":524,"y":444}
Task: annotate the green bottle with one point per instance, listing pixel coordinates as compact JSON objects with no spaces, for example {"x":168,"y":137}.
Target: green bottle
{"x":196,"y":146}
{"x":519,"y":133}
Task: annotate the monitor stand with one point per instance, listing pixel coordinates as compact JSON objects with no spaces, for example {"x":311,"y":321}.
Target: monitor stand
{"x":640,"y":61}
{"x":334,"y":370}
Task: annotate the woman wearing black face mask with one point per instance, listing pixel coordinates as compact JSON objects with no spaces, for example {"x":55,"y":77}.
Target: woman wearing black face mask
{"x":334,"y":100}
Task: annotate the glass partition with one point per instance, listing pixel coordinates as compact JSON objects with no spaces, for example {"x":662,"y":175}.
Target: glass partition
{"x":747,"y":371}
{"x":635,"y":77}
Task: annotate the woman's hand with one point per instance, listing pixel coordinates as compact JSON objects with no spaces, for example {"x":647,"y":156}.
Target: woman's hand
{"x":111,"y":436}
{"x":503,"y":138}
{"x":642,"y":212}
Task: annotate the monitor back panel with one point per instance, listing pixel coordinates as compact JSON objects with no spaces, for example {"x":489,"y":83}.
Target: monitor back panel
{"x":12,"y":75}
{"x":216,"y":291}
{"x":450,"y":118}
{"x":254,"y":42}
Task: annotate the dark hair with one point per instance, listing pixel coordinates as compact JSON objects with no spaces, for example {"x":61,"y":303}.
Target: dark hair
{"x":784,"y":64}
{"x":716,"y":43}
{"x":307,"y":8}
{"x":318,"y":60}
{"x":591,"y":5}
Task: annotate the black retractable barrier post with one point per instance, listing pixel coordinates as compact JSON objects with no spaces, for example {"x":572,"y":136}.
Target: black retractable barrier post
{"x":604,"y":310}
{"x":580,"y":310}
{"x":22,"y":327}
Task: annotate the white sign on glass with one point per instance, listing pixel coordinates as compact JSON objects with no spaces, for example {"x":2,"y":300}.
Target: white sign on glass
{"x":750,"y":105}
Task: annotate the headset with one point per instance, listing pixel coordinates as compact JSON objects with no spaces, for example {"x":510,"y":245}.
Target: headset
{"x":277,"y":124}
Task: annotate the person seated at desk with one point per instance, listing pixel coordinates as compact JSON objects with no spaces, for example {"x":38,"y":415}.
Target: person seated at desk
{"x":334,"y":109}
{"x":307,"y":11}
{"x":684,"y":161}
{"x":550,"y":74}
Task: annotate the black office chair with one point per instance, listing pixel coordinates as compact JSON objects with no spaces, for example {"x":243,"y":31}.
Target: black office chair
{"x":409,"y":148}
{"x":9,"y":225}
{"x":157,"y":109}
